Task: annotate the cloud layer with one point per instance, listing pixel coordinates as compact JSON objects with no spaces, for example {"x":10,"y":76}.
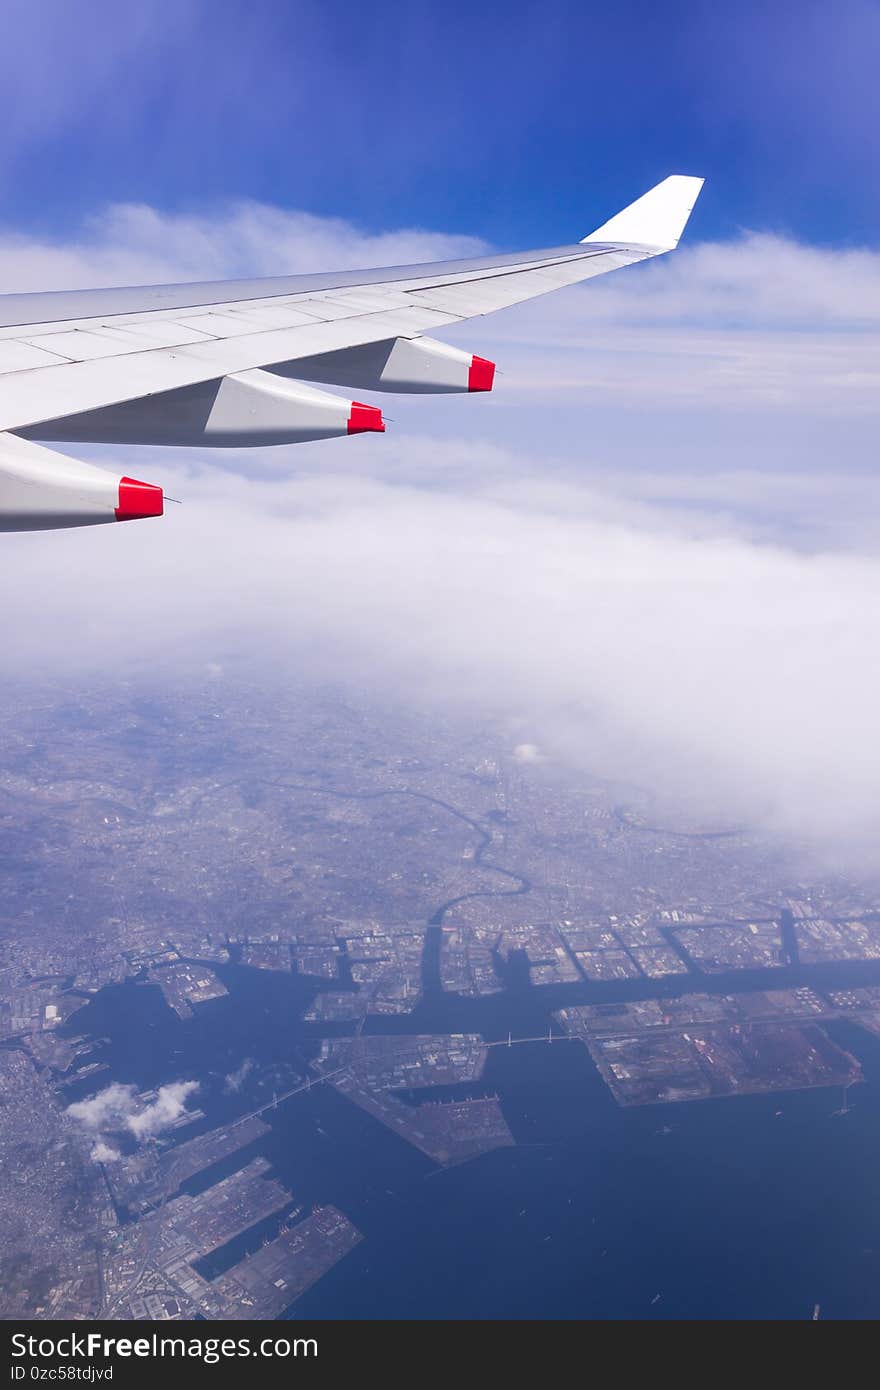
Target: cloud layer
{"x":656,"y":547}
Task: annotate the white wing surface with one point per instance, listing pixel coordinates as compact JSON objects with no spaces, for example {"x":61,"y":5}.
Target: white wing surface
{"x":225,"y":364}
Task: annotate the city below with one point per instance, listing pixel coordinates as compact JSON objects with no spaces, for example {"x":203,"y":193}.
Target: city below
{"x":227,"y":915}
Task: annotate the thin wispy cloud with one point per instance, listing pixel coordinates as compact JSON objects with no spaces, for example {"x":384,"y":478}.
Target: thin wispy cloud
{"x":131,"y":243}
{"x":233,"y":1081}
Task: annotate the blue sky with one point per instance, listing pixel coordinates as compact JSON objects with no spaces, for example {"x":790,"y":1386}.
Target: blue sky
{"x":518,"y":122}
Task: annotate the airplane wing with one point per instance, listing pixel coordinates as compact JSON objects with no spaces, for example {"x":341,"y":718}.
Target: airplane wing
{"x":231,"y":364}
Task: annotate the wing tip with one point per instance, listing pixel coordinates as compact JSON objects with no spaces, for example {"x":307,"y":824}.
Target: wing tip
{"x":657,"y":219}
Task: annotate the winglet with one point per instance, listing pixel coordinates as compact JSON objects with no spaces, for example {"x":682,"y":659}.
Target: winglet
{"x":658,"y":218}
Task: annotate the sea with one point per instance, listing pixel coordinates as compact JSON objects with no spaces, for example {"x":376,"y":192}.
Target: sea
{"x":754,"y":1207}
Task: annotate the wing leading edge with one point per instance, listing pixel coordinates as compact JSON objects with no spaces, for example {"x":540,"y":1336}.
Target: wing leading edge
{"x":223,"y":364}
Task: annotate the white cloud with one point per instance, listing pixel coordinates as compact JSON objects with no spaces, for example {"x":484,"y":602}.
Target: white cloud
{"x":104,"y":1153}
{"x":656,"y":547}
{"x":169,"y":1105}
{"x":116,"y":1108}
{"x":757,"y":281}
{"x":106,"y":1108}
